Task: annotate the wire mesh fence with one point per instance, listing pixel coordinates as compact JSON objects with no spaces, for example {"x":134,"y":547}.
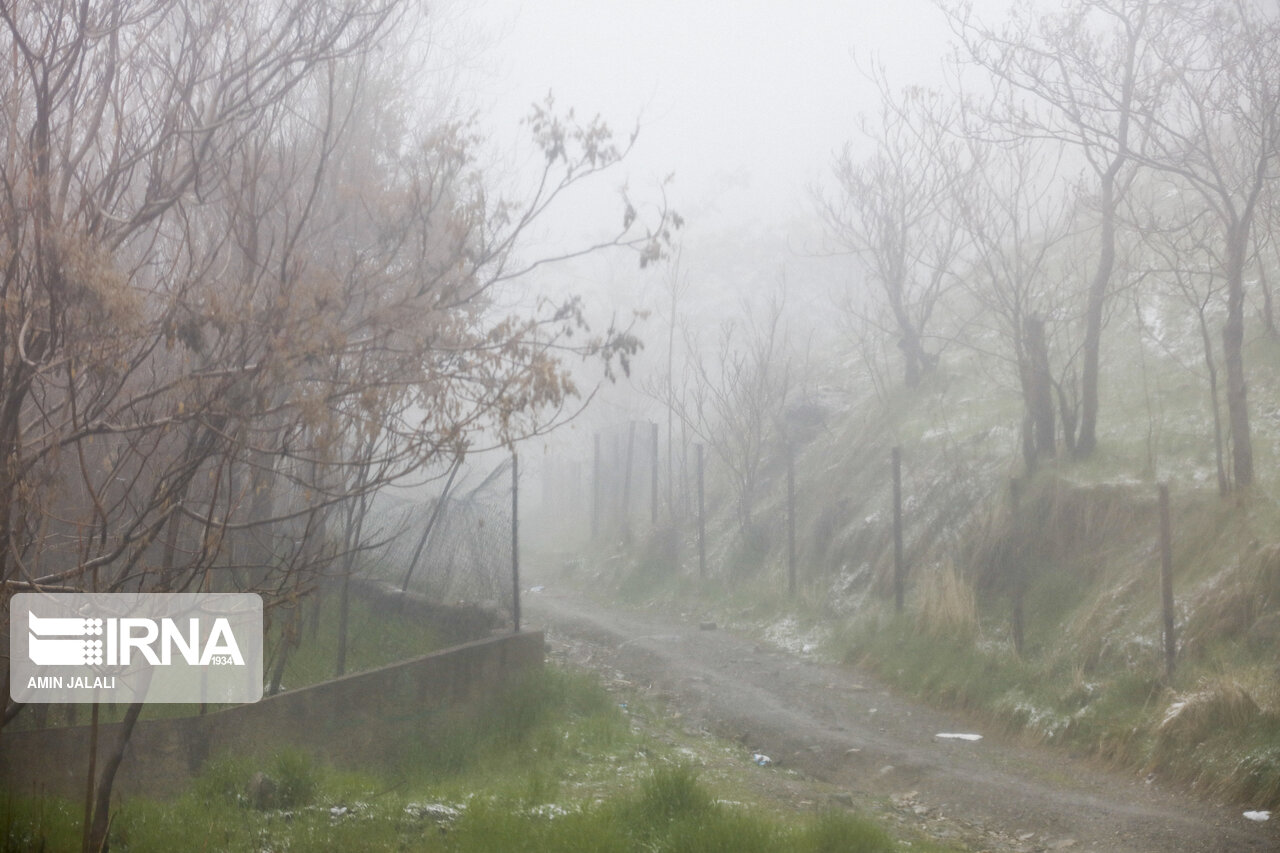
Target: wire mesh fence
{"x":451,"y":552}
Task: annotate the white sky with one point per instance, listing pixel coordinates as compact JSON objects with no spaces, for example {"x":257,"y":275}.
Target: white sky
{"x":745,"y":102}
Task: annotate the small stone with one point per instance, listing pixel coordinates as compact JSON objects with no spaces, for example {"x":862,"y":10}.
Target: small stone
{"x":261,"y":791}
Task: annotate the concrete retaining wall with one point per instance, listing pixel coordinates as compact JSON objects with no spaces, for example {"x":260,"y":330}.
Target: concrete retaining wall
{"x":348,"y":722}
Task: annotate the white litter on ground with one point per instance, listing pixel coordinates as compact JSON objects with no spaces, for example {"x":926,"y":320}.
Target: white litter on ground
{"x":955,"y":736}
{"x":1260,"y":817}
{"x":761,"y":759}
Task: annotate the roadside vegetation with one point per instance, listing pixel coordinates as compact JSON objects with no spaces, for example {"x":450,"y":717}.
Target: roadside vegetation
{"x":1059,"y":299}
{"x":559,"y":764}
{"x":1081,"y":543}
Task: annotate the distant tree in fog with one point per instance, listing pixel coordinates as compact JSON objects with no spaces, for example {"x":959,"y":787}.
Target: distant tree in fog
{"x":735,"y":398}
{"x":1187,"y":89}
{"x":1018,"y":214}
{"x":893,"y":211}
{"x":1086,"y":72}
{"x":1178,"y":238}
{"x":1219,"y":133}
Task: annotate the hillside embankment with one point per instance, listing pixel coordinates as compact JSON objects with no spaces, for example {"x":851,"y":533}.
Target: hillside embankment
{"x":1032,"y":600}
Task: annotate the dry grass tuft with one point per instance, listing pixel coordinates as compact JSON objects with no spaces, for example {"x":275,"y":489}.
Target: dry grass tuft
{"x":948,"y":607}
{"x":1058,"y":522}
{"x":1217,"y":706}
{"x":1239,"y":602}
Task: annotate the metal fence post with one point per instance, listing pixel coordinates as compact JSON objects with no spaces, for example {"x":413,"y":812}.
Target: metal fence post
{"x":898,"y":568}
{"x":1166,"y":581}
{"x":702,"y":523}
{"x":791,"y":520}
{"x":515,"y":542}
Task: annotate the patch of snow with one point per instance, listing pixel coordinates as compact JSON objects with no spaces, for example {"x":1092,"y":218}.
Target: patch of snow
{"x":787,"y":635}
{"x":550,"y":811}
{"x":1259,"y":817}
{"x":1174,"y":711}
{"x":438,"y":812}
{"x":957,"y":736}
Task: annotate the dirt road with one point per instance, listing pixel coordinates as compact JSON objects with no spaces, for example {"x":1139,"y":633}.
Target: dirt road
{"x":838,"y":725}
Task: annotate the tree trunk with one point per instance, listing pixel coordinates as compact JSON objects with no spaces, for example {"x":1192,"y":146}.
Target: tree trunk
{"x":102,"y":803}
{"x":1067,"y":412}
{"x":1233,"y":360}
{"x":1039,"y":386}
{"x":917,"y":362}
{"x":1098,"y":287}
{"x":911,"y":357}
{"x":1224,"y":483}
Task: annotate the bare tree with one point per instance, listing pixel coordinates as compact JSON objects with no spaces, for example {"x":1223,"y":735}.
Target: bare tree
{"x":736,"y":398}
{"x":1018,"y":214}
{"x":892,"y":211}
{"x":226,"y":308}
{"x":1179,"y":236}
{"x":1087,"y":73}
{"x":1219,"y":131}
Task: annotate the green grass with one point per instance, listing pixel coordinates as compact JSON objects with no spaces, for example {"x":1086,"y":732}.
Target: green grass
{"x":554,"y":767}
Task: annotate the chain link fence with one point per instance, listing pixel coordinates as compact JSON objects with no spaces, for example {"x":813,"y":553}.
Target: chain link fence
{"x":458,"y":551}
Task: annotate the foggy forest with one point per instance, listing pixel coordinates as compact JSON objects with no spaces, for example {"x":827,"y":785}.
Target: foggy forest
{"x":865,"y":407}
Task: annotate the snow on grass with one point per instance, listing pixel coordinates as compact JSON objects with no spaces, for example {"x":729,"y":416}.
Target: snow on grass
{"x":787,"y":635}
